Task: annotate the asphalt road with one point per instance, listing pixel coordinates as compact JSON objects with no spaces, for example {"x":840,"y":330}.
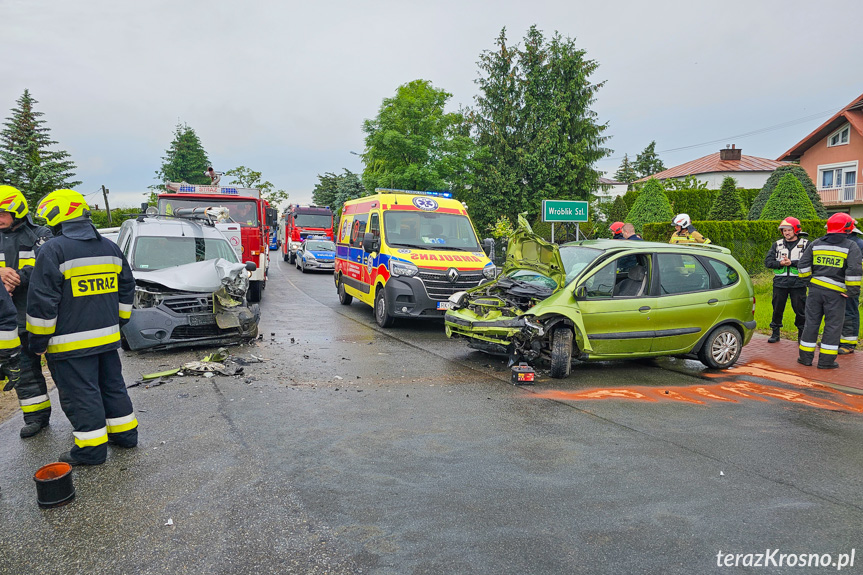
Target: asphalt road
{"x":359,"y":450}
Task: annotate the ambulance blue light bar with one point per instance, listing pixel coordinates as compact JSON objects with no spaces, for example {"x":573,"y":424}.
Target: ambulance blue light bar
{"x":435,"y":193}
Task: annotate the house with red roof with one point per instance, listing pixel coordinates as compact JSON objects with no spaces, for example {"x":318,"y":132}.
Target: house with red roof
{"x":748,"y":171}
{"x":832,"y":155}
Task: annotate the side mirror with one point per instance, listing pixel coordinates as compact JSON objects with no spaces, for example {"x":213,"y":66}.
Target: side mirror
{"x":488,"y":247}
{"x":250,"y":266}
{"x":371,"y":242}
{"x":272,"y":216}
{"x":580,"y":292}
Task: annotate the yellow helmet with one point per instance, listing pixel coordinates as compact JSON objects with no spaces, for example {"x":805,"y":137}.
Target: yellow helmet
{"x":13,"y":201}
{"x":61,"y":206}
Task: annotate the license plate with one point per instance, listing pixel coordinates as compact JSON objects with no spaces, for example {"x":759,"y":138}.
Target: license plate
{"x":444,"y":305}
{"x":202,"y":319}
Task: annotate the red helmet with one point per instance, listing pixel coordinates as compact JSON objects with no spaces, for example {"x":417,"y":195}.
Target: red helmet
{"x":792,"y":223}
{"x":840,"y":224}
{"x":616,"y":227}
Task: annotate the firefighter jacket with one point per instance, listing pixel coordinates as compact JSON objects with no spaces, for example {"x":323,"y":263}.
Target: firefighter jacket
{"x":80,"y":292}
{"x":786,"y":276}
{"x":688,"y":236}
{"x":834,"y":263}
{"x":9,"y":340}
{"x":19,"y":246}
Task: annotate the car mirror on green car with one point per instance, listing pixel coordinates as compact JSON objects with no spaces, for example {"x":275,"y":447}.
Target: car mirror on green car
{"x":580,"y":292}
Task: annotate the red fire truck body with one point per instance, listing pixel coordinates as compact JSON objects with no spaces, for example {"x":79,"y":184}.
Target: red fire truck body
{"x":304,"y":221}
{"x":246,"y":208}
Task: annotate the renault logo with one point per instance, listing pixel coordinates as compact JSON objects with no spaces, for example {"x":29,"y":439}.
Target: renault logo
{"x":452,"y":274}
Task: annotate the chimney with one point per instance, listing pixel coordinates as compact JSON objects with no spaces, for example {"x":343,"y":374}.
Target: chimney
{"x":731,"y":153}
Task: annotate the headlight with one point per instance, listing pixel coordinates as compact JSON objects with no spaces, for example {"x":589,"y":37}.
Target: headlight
{"x":489,"y":271}
{"x":406,"y":269}
{"x":295,"y":245}
{"x":309,"y":256}
{"x":144,"y":299}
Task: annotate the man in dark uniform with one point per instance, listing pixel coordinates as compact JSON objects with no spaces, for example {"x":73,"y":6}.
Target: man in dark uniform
{"x":851,"y":325}
{"x":10,"y":342}
{"x":20,"y":241}
{"x":782,"y":258}
{"x":833,"y":266}
{"x":80,"y":292}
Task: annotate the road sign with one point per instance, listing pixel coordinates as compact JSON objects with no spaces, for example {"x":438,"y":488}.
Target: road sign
{"x":564,"y":211}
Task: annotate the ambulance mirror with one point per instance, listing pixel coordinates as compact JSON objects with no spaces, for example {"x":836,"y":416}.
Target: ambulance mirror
{"x":371,"y":242}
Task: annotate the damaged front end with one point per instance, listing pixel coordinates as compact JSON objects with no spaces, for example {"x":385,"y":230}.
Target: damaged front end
{"x":495,"y":317}
{"x":202,"y":303}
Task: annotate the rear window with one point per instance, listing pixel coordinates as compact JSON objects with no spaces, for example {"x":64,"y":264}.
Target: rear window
{"x":156,"y":253}
{"x":727,"y":274}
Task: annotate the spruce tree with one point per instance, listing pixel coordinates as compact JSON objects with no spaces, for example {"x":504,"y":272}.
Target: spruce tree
{"x":618,"y":211}
{"x":26,"y":162}
{"x":184,"y":161}
{"x":652,"y":206}
{"x":647,"y":162}
{"x":626,"y":172}
{"x":789,"y":198}
{"x":761,"y":199}
{"x":727,"y":206}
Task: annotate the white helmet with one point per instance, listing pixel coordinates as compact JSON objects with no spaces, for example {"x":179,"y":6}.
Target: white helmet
{"x":681,"y":220}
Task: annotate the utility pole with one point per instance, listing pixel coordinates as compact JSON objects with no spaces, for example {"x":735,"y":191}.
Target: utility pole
{"x":107,"y":207}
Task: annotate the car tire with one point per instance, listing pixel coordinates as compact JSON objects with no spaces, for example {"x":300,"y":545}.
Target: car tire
{"x":254,"y":293}
{"x":124,"y":345}
{"x":286,"y":257}
{"x":382,"y":312}
{"x":344,"y":297}
{"x":561,"y":352}
{"x":722,"y":347}
{"x":292,"y":258}
{"x":302,"y":266}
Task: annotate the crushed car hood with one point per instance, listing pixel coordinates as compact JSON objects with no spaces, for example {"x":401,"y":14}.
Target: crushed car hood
{"x":528,"y":251}
{"x":206,"y":276}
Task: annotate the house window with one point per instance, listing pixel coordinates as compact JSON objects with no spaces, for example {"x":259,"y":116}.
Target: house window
{"x":839,"y":137}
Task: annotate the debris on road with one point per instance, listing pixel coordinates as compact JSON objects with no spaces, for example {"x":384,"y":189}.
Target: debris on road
{"x":218,"y":363}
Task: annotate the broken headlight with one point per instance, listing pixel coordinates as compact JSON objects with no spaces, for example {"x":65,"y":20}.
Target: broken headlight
{"x":145,"y":298}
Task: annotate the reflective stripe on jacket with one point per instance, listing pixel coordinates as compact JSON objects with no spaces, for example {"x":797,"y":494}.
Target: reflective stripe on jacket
{"x":19,"y":246}
{"x":833,"y":263}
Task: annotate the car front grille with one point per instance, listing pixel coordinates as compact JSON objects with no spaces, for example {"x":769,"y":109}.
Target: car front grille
{"x":196,"y":331}
{"x":190,"y":304}
{"x":440,"y":288}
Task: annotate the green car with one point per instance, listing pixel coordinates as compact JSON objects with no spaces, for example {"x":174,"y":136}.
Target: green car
{"x":608,"y":299}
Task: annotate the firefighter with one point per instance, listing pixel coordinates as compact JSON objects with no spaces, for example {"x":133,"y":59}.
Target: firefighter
{"x":80,"y":293}
{"x":616,"y":230}
{"x":851,"y":325}
{"x":10,"y":342}
{"x":833,"y":266}
{"x":686,"y":232}
{"x":20,"y":242}
{"x":782,"y":258}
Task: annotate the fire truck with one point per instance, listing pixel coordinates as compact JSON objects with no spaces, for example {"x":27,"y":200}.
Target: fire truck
{"x":246,"y":207}
{"x":303,"y":221}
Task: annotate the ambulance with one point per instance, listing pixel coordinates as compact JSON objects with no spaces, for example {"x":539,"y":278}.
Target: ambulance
{"x":406,"y":252}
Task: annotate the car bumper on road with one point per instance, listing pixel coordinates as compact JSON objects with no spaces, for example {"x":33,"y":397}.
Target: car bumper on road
{"x":319,"y":265}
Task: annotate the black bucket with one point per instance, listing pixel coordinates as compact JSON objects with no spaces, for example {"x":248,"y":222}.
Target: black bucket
{"x":54,"y":485}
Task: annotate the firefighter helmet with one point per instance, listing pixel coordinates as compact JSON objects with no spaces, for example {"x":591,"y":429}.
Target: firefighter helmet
{"x":61,"y":206}
{"x":616,"y":227}
{"x":792,"y":223}
{"x":840,"y":224}
{"x":13,"y":201}
{"x":681,"y":220}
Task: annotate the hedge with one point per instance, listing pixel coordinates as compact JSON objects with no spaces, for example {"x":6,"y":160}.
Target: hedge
{"x":118,"y":216}
{"x":697,"y":203}
{"x":748,"y":241}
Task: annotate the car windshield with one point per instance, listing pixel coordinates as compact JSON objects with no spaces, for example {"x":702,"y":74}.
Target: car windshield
{"x":244,"y":212}
{"x":320,"y":246}
{"x":322,"y":221}
{"x":429,"y":230}
{"x":576,"y":258}
{"x":157,"y":252}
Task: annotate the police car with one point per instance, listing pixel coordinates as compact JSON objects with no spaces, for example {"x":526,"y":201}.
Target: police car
{"x":316,"y":253}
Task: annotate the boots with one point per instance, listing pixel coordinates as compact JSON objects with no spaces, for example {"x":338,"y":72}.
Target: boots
{"x":32,"y":428}
{"x":775,"y":337}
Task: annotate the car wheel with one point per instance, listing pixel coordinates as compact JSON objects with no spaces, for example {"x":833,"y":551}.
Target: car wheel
{"x":561,"y":352}
{"x":382,"y":312}
{"x":344,"y":297}
{"x":286,"y":257}
{"x":721,"y":348}
{"x":124,"y":344}
{"x":302,"y":266}
{"x":292,"y":258}
{"x":254,"y":293}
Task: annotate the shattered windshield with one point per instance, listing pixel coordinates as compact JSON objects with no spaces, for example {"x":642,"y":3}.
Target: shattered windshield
{"x":429,"y":230}
{"x":534,"y":278}
{"x":576,"y":258}
{"x":156,"y":252}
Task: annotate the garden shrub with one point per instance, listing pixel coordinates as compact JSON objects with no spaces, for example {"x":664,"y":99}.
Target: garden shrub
{"x":727,"y":206}
{"x":788,"y":199}
{"x":799,"y":173}
{"x":651,"y":206}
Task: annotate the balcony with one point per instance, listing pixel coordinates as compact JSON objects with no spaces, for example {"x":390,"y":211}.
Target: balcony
{"x":842,"y":196}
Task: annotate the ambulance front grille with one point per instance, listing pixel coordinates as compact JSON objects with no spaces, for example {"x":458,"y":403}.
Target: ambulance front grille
{"x":440,"y":288}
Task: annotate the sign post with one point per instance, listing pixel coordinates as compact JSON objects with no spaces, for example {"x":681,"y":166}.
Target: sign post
{"x":564,"y":211}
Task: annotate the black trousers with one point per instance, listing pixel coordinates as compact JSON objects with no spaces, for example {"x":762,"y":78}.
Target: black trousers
{"x":32,"y":390}
{"x":829,"y":305}
{"x":851,"y":327}
{"x":93,"y":396}
{"x":798,"y":304}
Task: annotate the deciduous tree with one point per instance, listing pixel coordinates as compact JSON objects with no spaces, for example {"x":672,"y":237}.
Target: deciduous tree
{"x":248,"y":178}
{"x":27,"y":161}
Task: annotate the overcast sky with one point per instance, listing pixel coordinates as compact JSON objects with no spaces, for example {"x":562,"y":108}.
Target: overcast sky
{"x":283,"y":87}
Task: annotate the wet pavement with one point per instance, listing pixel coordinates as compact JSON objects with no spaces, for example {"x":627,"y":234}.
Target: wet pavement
{"x":359,"y":450}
